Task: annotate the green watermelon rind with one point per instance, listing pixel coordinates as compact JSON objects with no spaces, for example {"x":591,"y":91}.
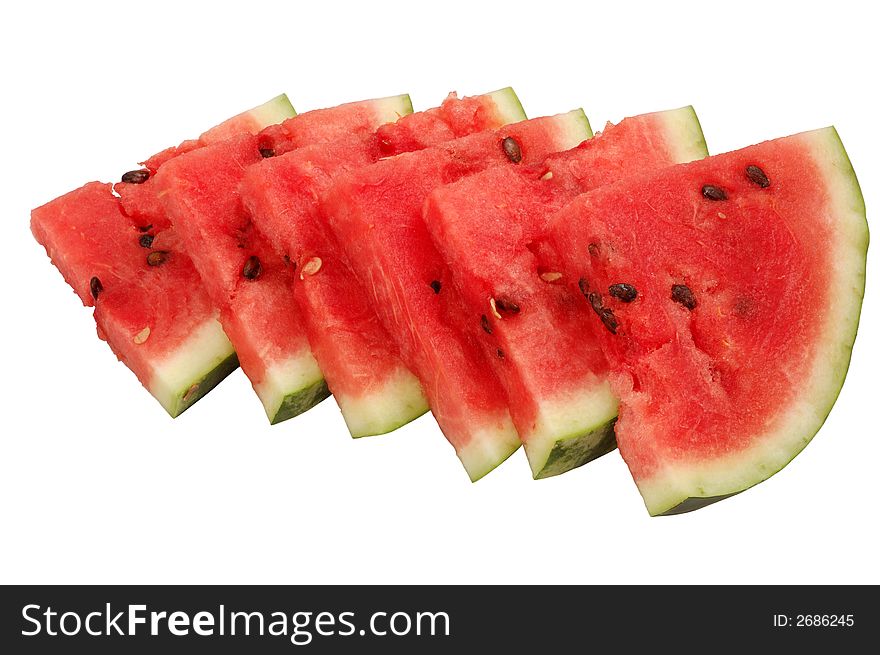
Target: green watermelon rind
{"x":194,"y":368}
{"x":694,"y":486}
{"x":507,"y":106}
{"x":393,"y":107}
{"x":272,"y":111}
{"x":592,"y":413}
{"x":291,"y":386}
{"x":397,"y":402}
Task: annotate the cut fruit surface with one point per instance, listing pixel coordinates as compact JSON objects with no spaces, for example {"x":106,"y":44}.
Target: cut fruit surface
{"x":157,"y":319}
{"x":120,"y":254}
{"x":376,"y":215}
{"x":251,"y":283}
{"x":555,"y":379}
{"x":375,"y":390}
{"x":749,"y":269}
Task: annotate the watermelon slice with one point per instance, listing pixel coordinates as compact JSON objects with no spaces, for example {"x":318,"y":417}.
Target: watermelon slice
{"x":245,"y":278}
{"x":376,"y":215}
{"x":747,"y":273}
{"x":150,"y":305}
{"x":375,"y":391}
{"x":556,"y":382}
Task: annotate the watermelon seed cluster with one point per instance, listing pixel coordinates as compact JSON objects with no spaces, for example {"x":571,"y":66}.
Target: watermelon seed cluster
{"x":146,"y":240}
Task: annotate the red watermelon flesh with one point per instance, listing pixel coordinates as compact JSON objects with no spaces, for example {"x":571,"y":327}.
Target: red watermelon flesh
{"x":376,"y":215}
{"x":156,"y":318}
{"x":556,"y":380}
{"x":749,"y":268}
{"x":375,"y":391}
{"x":245,"y":278}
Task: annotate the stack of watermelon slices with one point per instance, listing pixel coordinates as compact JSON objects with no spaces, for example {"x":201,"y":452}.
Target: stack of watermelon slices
{"x":524,"y":281}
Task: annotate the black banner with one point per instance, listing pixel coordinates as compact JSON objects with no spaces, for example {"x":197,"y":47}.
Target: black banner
{"x":418,"y":619}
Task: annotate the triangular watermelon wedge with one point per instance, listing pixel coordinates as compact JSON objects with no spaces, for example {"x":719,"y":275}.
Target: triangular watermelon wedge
{"x":245,"y":278}
{"x":376,"y":214}
{"x":556,"y":381}
{"x":748,"y":272}
{"x":376,"y":392}
{"x":119,"y":255}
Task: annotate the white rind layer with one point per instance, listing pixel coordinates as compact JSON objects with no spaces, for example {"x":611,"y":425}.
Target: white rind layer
{"x":507,"y":105}
{"x":574,"y":129}
{"x":196,"y":357}
{"x":489,"y":447}
{"x":397,"y":402}
{"x":286,"y":378}
{"x":389,"y":109}
{"x":684,"y":136}
{"x":579,"y":412}
{"x":794,"y":428}
{"x":276,"y":110}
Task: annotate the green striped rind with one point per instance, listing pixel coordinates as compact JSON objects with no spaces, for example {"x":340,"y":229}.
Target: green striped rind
{"x":300,"y":401}
{"x":507,"y":106}
{"x":186,"y":398}
{"x":571,"y":432}
{"x":689,"y":487}
{"x":290,"y":387}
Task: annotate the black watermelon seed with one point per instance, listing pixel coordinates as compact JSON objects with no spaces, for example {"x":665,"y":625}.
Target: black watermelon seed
{"x":145,"y":228}
{"x":265,"y":153}
{"x":595,"y":302}
{"x":95,"y":287}
{"x":682,"y":294}
{"x":252,"y":268}
{"x":484,"y":322}
{"x":511,"y":149}
{"x":623,"y":292}
{"x":157,"y":257}
{"x":500,"y":353}
{"x":609,"y":320}
{"x":136,"y":177}
{"x":146,"y":240}
{"x":506,"y":306}
{"x":584,"y":286}
{"x":756,"y":175}
{"x":711,"y":192}
{"x":436,"y":286}
{"x":594,"y":249}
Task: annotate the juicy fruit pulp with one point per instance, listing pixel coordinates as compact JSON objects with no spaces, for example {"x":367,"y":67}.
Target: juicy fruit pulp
{"x":246,"y":279}
{"x":375,"y":390}
{"x":483,"y":225}
{"x":376,"y":215}
{"x":749,"y":269}
{"x":150,"y":305}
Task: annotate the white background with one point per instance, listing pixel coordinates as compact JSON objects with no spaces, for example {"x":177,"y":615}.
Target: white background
{"x":97,"y":484}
